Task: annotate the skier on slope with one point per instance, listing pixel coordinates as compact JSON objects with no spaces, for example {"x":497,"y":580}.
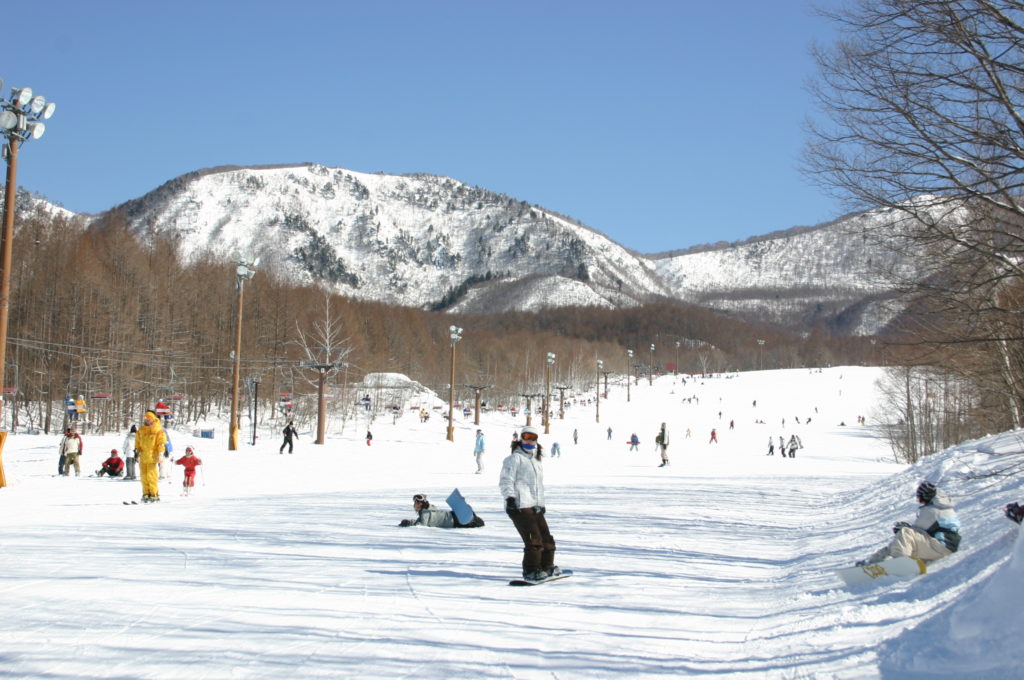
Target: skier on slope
{"x":429,"y":516}
{"x":190,"y":462}
{"x":934,"y":534}
{"x":522,"y":486}
{"x":661,"y":441}
{"x":150,"y":442}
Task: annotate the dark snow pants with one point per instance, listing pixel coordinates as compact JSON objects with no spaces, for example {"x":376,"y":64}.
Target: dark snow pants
{"x":538,"y":543}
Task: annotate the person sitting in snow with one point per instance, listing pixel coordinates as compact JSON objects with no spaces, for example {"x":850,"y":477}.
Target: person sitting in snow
{"x":429,"y":516}
{"x":112,"y":466}
{"x":934,"y":534}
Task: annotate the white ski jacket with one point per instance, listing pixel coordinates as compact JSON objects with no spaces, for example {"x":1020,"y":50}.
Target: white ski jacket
{"x":522,"y":478}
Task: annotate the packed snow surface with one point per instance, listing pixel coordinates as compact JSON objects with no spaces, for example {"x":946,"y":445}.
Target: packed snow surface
{"x":720,"y":565}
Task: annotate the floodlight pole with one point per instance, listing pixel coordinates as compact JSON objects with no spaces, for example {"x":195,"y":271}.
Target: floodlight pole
{"x":547,"y":392}
{"x":600,"y":367}
{"x":20,"y":120}
{"x":455,"y":333}
{"x":243,"y":271}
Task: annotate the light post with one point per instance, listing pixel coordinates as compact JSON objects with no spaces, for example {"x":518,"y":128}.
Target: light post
{"x":455,"y":333}
{"x":760,"y":347}
{"x":677,"y":357}
{"x":547,"y":392}
{"x":650,"y":372}
{"x":244,"y":270}
{"x":20,"y":120}
{"x":600,"y":367}
{"x":629,"y":371}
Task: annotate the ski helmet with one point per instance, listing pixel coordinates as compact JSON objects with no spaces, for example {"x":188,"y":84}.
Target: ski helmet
{"x":925,"y":492}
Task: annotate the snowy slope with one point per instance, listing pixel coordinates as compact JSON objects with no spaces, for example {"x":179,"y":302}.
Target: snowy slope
{"x":719,"y":566}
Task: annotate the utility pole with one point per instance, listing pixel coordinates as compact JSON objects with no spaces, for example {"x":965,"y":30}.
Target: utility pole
{"x":477,"y":389}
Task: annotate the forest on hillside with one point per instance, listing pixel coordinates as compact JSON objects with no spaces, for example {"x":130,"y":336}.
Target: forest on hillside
{"x":95,"y":311}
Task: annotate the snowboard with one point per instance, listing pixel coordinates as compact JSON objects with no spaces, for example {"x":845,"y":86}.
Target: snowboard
{"x":896,"y":567}
{"x":460,"y":507}
{"x":520,"y":582}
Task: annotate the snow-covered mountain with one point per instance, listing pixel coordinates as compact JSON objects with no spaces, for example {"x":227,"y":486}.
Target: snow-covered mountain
{"x":435,"y":242}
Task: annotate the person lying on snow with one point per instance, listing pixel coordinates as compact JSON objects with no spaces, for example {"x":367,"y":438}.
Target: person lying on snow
{"x":934,"y":534}
{"x":430,"y":516}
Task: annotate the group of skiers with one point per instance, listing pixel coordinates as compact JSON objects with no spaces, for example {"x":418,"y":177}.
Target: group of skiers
{"x":149,"y":449}
{"x":792,"y":447}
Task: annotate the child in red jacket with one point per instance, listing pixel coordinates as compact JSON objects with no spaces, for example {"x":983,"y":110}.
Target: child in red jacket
{"x":191,"y":462}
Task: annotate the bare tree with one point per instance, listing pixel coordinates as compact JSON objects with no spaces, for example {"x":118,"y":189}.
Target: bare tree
{"x":325,"y":350}
{"x":924,"y":115}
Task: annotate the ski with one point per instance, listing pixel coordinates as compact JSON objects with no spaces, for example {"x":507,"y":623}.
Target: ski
{"x":520,"y":582}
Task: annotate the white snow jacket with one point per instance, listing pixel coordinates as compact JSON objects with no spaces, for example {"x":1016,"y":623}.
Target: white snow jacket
{"x":522,"y":478}
{"x":938,"y":519}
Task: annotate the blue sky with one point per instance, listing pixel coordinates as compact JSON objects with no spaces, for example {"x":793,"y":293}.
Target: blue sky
{"x":663,"y":124}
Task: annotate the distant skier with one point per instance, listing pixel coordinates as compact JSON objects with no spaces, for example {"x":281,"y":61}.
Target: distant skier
{"x":661,"y":440}
{"x":369,"y":437}
{"x":771,"y":445}
{"x":190,"y":461}
{"x":131,"y":457}
{"x":478,"y":451}
{"x":634,"y":442}
{"x":70,"y":449}
{"x":794,"y":444}
{"x":609,"y":434}
{"x":290,"y":434}
{"x":714,"y":437}
{"x":934,"y":534}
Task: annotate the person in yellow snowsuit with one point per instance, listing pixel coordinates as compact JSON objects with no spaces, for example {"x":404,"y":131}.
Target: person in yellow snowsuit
{"x":150,"y":442}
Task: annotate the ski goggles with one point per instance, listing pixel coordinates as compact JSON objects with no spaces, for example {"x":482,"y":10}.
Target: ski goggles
{"x":528,"y":437}
{"x":419,"y":498}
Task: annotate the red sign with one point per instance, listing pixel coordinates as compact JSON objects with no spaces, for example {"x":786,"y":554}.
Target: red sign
{"x":176,"y":397}
{"x":101,"y":395}
{"x":10,"y":390}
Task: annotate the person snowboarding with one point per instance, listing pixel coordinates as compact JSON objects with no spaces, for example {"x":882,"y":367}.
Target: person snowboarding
{"x":522,"y":486}
{"x":794,"y":444}
{"x":634,"y":442}
{"x":429,"y":516}
{"x":661,"y":440}
{"x":934,"y":534}
{"x":289,"y":432}
{"x":112,"y":466}
{"x":150,"y":442}
{"x":478,"y":451}
{"x":190,"y":461}
{"x":70,"y":449}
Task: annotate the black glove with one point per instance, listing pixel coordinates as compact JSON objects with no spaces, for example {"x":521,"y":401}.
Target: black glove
{"x":405,"y":523}
{"x":541,"y":509}
{"x":510,"y":505}
{"x":900,"y":525}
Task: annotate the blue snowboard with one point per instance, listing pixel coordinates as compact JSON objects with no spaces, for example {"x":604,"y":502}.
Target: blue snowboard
{"x":460,"y":507}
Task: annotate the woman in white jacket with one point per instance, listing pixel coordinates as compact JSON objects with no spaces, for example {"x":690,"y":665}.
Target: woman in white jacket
{"x":522,"y":487}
